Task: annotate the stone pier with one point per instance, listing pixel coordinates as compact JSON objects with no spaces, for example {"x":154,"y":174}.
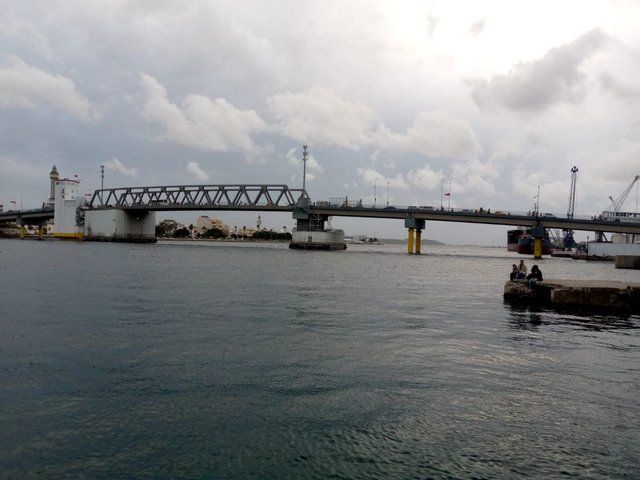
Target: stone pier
{"x":601,"y":294}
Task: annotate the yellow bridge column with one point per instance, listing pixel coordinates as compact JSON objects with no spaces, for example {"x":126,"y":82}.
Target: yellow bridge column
{"x":22,"y":231}
{"x":410,"y":242}
{"x":414,"y":225}
{"x":537,"y":248}
{"x":538,"y":233}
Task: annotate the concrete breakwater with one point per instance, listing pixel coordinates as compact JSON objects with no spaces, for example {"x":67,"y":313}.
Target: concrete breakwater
{"x":576,"y":293}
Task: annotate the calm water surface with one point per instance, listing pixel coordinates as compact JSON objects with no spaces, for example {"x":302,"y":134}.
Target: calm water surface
{"x":220,"y":360}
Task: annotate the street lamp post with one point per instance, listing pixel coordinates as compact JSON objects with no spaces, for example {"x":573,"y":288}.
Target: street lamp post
{"x":387,"y":193}
{"x":375,"y":195}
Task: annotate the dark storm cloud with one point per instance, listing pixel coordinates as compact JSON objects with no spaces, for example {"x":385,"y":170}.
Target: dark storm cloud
{"x":537,"y":85}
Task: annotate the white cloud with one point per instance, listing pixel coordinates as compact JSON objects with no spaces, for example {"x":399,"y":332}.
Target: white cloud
{"x":536,"y":85}
{"x":115,"y":165}
{"x":25,"y":86}
{"x":379,"y":180}
{"x":426,"y":177}
{"x":195,"y":171}
{"x":320,"y":116}
{"x":433,"y":134}
{"x":474,"y":176}
{"x":200,"y":122}
{"x":621,"y":164}
{"x":296,"y":160}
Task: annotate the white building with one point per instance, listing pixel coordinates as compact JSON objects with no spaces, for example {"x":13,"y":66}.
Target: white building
{"x":67,"y":202}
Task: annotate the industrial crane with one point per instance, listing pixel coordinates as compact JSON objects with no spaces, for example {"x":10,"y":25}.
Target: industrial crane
{"x":613,"y":212}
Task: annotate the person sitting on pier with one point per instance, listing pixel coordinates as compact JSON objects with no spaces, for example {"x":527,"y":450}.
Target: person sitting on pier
{"x":522,"y":269}
{"x":534,"y":277}
{"x":514,"y":272}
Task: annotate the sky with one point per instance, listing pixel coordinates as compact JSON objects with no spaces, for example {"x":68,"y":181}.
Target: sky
{"x":398,"y":101}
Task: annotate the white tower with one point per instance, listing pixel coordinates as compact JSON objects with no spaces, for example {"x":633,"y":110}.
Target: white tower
{"x":66,"y":203}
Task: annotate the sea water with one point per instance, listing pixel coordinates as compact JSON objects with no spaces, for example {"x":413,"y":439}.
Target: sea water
{"x":244,"y":360}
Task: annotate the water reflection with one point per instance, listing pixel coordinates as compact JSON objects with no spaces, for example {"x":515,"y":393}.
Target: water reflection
{"x":530,"y":317}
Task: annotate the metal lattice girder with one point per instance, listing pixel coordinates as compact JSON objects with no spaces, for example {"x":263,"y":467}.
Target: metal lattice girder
{"x":193,"y":197}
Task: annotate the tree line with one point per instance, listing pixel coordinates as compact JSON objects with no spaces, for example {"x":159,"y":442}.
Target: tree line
{"x":172,"y":229}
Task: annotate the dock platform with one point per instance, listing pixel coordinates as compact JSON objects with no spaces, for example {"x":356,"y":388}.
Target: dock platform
{"x":601,"y":294}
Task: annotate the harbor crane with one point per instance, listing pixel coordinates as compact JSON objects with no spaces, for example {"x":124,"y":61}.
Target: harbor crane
{"x":613,"y":212}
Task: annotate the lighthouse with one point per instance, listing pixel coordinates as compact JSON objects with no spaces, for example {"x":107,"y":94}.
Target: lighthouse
{"x":53,"y":176}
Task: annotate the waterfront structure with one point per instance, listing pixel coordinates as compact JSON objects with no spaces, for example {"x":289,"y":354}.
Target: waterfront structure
{"x":310,"y":232}
{"x":67,"y":219}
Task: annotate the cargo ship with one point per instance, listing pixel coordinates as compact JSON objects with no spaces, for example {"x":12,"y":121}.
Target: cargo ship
{"x":521,"y":241}
{"x":512,"y":239}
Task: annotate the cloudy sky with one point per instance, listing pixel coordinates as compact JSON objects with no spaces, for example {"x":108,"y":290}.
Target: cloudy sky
{"x":394,"y":98}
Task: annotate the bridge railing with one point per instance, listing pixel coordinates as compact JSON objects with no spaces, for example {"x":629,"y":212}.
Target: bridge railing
{"x":345,"y":202}
{"x":278,"y":197}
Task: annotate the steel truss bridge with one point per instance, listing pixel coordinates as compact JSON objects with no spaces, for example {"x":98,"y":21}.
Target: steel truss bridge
{"x":281,"y":198}
{"x":198,"y":197}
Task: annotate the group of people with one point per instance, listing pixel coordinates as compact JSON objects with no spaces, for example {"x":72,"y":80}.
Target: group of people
{"x":519,"y":272}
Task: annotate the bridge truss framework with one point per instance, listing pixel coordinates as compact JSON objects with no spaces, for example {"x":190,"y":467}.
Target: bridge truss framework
{"x":198,"y":197}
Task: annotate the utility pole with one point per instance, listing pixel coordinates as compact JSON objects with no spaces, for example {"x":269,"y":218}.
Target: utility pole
{"x":449,"y":194}
{"x":101,"y":182}
{"x":441,"y":192}
{"x":375,"y":195}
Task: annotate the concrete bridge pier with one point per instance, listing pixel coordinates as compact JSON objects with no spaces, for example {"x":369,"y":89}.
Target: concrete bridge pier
{"x":414,"y":225}
{"x":22,"y":225}
{"x":310,"y":233}
{"x":117,"y":225}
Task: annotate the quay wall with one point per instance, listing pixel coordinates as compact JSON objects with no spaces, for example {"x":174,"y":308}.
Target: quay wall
{"x":628,"y":261}
{"x":576,"y":293}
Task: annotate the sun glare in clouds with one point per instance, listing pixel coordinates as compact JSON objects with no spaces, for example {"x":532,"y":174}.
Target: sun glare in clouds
{"x":484,"y":38}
